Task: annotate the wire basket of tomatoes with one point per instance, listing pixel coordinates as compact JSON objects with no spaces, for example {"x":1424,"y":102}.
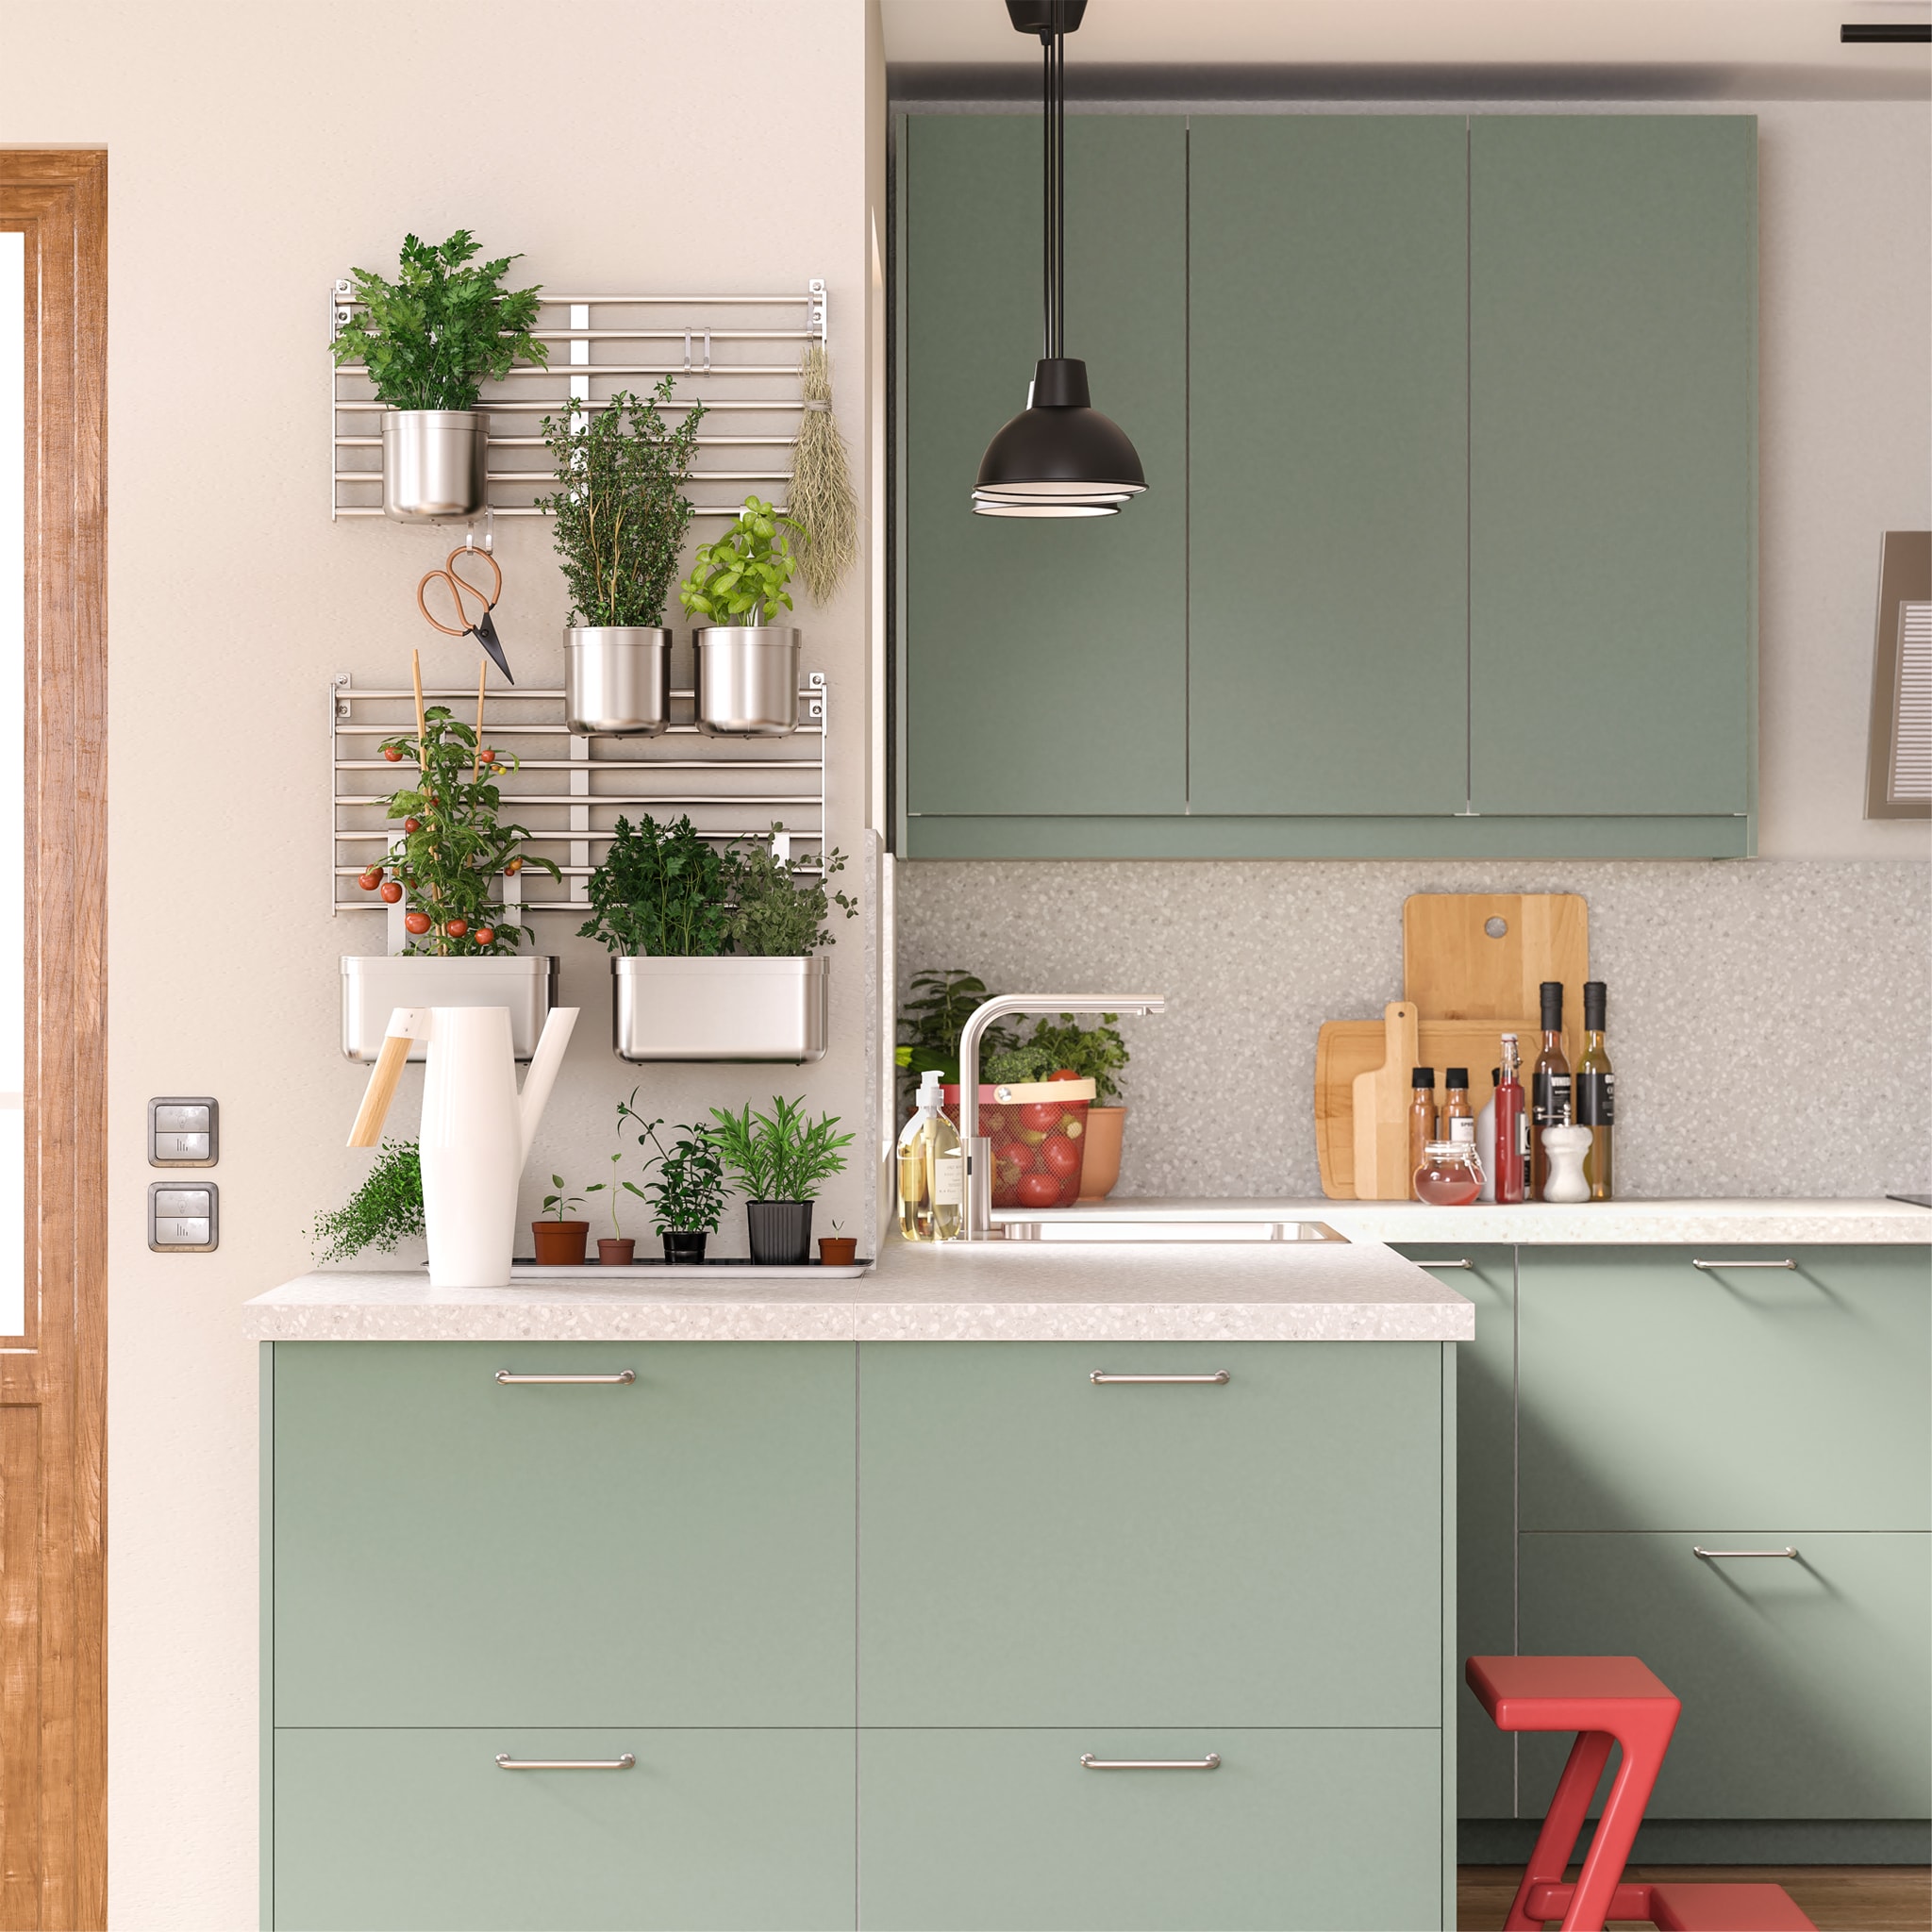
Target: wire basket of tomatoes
{"x":1038,"y":1134}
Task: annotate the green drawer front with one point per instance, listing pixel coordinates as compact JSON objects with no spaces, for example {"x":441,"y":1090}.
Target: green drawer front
{"x":1656,"y":1395}
{"x":1038,"y":1550}
{"x":422,"y":1829}
{"x":677,"y":1551}
{"x":1484,"y":1509}
{"x":991,"y":1829}
{"x":1804,"y":1681}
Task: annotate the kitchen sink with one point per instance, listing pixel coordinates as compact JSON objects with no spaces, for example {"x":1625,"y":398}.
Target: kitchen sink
{"x":1123,"y":1227}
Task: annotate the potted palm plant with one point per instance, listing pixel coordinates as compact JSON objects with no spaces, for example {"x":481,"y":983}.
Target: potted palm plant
{"x":780,"y":1159}
{"x":442,"y":868}
{"x":619,"y":522}
{"x":748,"y":665}
{"x":686,"y":1194}
{"x":429,"y":339}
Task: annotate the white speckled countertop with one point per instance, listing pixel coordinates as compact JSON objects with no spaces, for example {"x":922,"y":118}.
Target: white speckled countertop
{"x":1259,"y":1292}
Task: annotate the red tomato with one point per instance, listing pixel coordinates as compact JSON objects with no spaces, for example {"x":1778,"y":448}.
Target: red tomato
{"x":1038,"y":1190}
{"x":392,"y":754}
{"x":1061,"y":1157}
{"x":486,"y":935}
{"x":1042,"y":1116}
{"x":455,"y":927}
{"x":370,"y":880}
{"x":392,"y":892}
{"x":1064,"y":1074}
{"x":412,"y":825}
{"x":515,"y":865}
{"x":417,"y":922}
{"x":485,"y":757}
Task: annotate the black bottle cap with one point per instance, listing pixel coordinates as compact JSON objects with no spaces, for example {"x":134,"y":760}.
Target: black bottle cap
{"x":1551,"y":993}
{"x":1424,"y":1077}
{"x":1593,"y":993}
{"x":1459,"y":1076}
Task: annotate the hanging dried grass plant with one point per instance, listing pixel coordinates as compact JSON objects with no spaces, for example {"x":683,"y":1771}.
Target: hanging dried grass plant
{"x":822,"y":504}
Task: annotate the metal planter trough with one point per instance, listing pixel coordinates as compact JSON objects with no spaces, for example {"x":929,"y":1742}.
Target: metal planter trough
{"x":376,"y":984}
{"x":720,"y":1009}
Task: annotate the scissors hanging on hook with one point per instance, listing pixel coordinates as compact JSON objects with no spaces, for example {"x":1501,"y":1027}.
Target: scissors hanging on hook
{"x":454,"y":587}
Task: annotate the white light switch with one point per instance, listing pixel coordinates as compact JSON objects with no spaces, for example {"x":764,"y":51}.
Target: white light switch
{"x":182,"y":1131}
{"x":181,"y":1220}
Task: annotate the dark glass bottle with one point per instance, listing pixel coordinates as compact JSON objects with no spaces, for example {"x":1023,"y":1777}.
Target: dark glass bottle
{"x":1549,"y":1086}
{"x":1596,"y":1093}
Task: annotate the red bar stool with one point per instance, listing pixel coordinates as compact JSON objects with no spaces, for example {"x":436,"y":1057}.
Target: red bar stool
{"x":1607,"y":1700}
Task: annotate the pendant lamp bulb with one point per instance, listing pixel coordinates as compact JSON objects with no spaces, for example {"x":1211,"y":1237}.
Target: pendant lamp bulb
{"x":1059,"y":456}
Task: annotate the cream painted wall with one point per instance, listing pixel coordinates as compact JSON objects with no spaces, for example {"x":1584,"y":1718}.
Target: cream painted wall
{"x":255,"y":153}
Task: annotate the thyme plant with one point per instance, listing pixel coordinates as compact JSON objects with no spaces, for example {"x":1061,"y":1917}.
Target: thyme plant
{"x":385,"y":1209}
{"x":779,"y":910}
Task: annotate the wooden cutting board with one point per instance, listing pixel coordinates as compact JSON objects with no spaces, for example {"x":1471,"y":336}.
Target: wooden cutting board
{"x":1380,"y":1107}
{"x":1453,"y":968}
{"x":1345,"y":1048}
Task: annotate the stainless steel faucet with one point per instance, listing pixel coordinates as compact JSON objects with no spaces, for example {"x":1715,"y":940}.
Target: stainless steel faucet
{"x":976,"y":1223}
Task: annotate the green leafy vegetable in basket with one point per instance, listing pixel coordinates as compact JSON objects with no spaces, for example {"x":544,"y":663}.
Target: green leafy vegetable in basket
{"x":1093,"y":1053}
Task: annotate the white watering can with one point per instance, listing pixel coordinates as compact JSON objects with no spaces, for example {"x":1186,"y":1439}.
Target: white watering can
{"x":476,"y":1128}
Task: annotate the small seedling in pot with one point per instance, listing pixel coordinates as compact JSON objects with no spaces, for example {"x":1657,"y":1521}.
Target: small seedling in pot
{"x":557,"y":1206}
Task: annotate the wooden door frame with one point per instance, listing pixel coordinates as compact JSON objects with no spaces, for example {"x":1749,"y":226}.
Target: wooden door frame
{"x":53,"y":1380}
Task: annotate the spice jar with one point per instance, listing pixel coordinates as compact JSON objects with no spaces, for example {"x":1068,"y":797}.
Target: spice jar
{"x":1451,"y":1174}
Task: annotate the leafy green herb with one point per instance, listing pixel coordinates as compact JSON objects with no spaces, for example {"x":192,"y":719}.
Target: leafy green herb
{"x":440,"y":329}
{"x":385,"y":1209}
{"x":778,"y":909}
{"x":658,"y":893}
{"x":932,"y":1018}
{"x":621,"y":516}
{"x":688,"y":1194}
{"x":556,"y":1207}
{"x":741,"y":577}
{"x":445,"y":866}
{"x":779,"y":1155}
{"x":1095,"y":1053}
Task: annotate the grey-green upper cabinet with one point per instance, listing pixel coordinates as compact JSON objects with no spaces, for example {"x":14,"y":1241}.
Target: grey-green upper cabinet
{"x":1045,"y":663}
{"x":1329,"y":461}
{"x":1613,"y":271}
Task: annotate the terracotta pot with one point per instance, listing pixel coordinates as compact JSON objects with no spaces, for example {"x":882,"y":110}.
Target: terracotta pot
{"x":684,"y":1245}
{"x":1100,"y":1169}
{"x":612,"y":1252}
{"x":560,"y":1244}
{"x":838,"y":1250}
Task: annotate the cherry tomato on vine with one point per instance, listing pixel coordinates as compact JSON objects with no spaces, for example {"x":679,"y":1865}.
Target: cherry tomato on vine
{"x":412,"y":825}
{"x":417,"y":922}
{"x":392,"y":754}
{"x":455,"y":927}
{"x":392,"y":892}
{"x":369,"y":879}
{"x":486,"y":935}
{"x":514,"y":866}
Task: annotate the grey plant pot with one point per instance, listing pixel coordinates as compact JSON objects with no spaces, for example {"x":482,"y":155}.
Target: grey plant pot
{"x":780,"y":1232}
{"x":434,"y":464}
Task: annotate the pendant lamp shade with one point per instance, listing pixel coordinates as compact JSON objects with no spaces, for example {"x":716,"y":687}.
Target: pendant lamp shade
{"x":1059,"y":456}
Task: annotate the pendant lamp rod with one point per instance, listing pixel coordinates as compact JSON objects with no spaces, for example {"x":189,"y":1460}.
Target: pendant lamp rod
{"x":1054,"y":280}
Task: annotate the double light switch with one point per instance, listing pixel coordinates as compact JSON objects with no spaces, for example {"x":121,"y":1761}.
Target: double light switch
{"x":183,"y":1130}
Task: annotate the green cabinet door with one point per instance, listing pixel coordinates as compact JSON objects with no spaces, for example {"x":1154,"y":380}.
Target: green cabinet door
{"x":1612,"y":464}
{"x":1484,"y":1509}
{"x":1040,"y":1549}
{"x":984,"y":1830}
{"x":421,"y":1830}
{"x":1655,"y":1394}
{"x":450,"y":1550}
{"x":1327,"y":305}
{"x":1044,"y":662}
{"x":1805,"y":1680}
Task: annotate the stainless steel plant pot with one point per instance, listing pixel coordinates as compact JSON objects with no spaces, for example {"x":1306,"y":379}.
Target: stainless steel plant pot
{"x":748,"y":679}
{"x":433,"y":464}
{"x":617,"y":678}
{"x":376,"y":984}
{"x":720,"y":1009}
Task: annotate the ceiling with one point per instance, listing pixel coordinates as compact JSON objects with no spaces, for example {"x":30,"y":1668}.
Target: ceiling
{"x":1176,"y":49}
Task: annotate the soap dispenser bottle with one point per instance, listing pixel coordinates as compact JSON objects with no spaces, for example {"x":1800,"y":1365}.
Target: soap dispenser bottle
{"x":932,"y":1190}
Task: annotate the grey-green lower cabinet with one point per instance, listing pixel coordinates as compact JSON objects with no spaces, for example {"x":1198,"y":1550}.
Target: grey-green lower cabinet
{"x":990,"y":1829}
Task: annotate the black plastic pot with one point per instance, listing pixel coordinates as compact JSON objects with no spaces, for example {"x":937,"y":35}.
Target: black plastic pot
{"x":780,"y":1232}
{"x":685,"y":1244}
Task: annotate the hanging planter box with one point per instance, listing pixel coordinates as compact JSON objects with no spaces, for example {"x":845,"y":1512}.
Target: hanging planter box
{"x":433,"y":464}
{"x":374,"y":985}
{"x":721,"y":1010}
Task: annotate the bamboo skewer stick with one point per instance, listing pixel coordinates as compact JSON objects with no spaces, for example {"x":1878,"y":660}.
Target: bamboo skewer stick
{"x":422,"y":722}
{"x":482,"y":679}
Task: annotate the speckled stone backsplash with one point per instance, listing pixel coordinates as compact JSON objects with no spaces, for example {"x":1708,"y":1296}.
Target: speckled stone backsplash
{"x":1770,"y":1022}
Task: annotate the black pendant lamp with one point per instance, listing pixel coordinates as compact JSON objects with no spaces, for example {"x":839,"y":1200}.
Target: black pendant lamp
{"x":1059,"y":456}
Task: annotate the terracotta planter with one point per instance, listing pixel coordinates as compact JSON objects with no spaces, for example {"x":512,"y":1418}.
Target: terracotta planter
{"x":838,"y":1250}
{"x":684,"y":1246}
{"x":780,"y":1232}
{"x":560,"y":1244}
{"x":613,"y":1252}
{"x":1100,"y":1170}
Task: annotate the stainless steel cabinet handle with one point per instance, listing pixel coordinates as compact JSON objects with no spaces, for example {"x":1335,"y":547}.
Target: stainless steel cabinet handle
{"x":507,"y":1763}
{"x":1210,"y":1762}
{"x":1465,"y":1263}
{"x":1707,"y":1266}
{"x":1101,"y":1378}
{"x":508,"y":1380}
{"x":1788,"y":1550}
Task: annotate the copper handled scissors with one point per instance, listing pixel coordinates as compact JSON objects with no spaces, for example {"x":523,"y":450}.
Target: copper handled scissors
{"x":454,"y":586}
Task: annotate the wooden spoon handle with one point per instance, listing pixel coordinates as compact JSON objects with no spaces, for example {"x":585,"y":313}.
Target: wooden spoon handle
{"x":381,"y":1090}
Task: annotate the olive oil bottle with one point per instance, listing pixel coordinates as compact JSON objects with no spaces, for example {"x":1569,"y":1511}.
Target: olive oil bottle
{"x":1596,"y":1093}
{"x":1549,"y":1086}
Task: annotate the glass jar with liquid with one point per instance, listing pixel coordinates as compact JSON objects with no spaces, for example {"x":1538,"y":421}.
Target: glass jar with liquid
{"x":1451,"y":1174}
{"x":932,"y":1174}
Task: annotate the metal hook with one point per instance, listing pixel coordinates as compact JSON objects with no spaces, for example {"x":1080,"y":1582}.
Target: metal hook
{"x":708,"y":351}
{"x":687,"y":352}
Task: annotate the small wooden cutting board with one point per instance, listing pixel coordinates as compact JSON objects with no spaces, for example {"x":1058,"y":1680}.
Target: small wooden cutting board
{"x":1381,"y":1111}
{"x":1453,"y":968}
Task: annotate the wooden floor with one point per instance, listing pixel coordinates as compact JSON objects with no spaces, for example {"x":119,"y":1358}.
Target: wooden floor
{"x":1840,"y":1898}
